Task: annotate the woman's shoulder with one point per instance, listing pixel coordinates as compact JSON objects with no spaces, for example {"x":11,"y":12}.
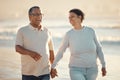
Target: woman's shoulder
{"x":69,"y":31}
{"x":89,"y":28}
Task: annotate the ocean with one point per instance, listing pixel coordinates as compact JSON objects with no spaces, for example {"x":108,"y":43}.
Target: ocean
{"x":108,"y":32}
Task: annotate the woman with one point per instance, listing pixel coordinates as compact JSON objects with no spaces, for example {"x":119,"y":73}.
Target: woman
{"x":84,"y":48}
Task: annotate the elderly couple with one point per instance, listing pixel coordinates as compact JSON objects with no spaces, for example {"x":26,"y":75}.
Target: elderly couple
{"x":34,"y":43}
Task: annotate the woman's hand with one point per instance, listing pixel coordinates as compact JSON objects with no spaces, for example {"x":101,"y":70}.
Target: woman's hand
{"x":103,"y":71}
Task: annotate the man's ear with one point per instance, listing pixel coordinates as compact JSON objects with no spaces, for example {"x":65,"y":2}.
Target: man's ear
{"x":29,"y":16}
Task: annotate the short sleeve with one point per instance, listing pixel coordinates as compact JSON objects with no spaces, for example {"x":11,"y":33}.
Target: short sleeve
{"x":50,"y":43}
{"x":19,"y":38}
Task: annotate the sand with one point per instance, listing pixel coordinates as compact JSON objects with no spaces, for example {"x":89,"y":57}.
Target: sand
{"x":10,"y":66}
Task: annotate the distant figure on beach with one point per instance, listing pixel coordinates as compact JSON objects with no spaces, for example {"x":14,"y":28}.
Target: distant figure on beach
{"x":34,"y":43}
{"x":84,"y":50}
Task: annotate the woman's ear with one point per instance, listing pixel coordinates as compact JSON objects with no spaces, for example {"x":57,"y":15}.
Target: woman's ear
{"x":80,"y":17}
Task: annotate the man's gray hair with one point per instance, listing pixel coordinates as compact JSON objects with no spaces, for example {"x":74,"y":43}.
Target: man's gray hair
{"x":31,"y":9}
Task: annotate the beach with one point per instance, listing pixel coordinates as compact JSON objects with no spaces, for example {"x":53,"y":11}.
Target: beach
{"x":10,"y":66}
{"x":10,"y":61}
{"x":101,"y":15}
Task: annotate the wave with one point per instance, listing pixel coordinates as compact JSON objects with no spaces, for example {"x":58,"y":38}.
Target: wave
{"x":10,"y":41}
{"x":110,"y":42}
{"x":58,"y":40}
{"x":106,"y":35}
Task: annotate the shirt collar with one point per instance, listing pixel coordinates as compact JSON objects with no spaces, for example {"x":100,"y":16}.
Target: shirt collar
{"x":33,"y":28}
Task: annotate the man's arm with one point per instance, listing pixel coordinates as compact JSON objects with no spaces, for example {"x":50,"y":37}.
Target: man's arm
{"x":53,"y":72}
{"x":51,"y":51}
{"x":51,"y":56}
{"x":24,"y":51}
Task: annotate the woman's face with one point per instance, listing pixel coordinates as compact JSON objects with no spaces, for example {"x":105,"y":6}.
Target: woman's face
{"x":73,"y":18}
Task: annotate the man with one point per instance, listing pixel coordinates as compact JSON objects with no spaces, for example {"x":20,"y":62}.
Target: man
{"x":34,"y":43}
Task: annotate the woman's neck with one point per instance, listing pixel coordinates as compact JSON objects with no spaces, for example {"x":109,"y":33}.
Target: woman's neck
{"x":78,"y":26}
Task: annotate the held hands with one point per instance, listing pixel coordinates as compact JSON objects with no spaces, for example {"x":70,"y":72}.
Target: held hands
{"x":103,"y":71}
{"x":53,"y":73}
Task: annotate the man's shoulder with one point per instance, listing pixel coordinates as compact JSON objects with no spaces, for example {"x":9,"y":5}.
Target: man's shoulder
{"x":23,"y":28}
{"x":44,"y":28}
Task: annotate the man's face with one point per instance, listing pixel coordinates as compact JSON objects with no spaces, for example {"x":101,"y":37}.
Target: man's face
{"x":35,"y":17}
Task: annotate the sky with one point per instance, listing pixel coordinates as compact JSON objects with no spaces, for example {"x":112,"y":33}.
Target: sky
{"x":15,"y":9}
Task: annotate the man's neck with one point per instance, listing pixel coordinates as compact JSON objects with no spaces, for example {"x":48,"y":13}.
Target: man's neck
{"x":36,"y":26}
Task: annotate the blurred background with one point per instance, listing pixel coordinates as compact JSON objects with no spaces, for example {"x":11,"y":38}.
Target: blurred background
{"x":101,"y":15}
{"x":17,"y":9}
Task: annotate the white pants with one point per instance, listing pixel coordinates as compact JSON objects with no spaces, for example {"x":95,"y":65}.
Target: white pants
{"x":77,"y":73}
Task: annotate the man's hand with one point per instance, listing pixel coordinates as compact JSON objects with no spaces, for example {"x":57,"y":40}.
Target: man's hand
{"x":53,"y":73}
{"x":35,"y":56}
{"x":103,"y":71}
{"x":24,"y":51}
